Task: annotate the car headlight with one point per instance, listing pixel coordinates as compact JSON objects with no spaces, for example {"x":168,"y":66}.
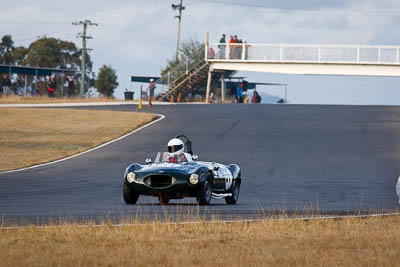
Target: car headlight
{"x":130,"y":177}
{"x":194,"y":178}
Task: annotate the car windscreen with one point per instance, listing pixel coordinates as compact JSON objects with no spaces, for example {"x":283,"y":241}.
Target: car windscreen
{"x":165,"y":157}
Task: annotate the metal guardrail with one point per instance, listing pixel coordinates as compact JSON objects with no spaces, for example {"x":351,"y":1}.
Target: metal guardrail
{"x":304,"y":53}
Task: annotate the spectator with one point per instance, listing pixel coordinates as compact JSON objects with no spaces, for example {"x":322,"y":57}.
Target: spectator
{"x":239,"y":93}
{"x":222,"y":47}
{"x":152,"y":87}
{"x":51,"y":87}
{"x":232,"y":93}
{"x":256,"y":98}
{"x":231,"y":41}
{"x":240,"y":49}
{"x":236,"y":48}
{"x":211,"y":53}
{"x":6,"y":85}
{"x":71,"y":86}
{"x":1,"y":86}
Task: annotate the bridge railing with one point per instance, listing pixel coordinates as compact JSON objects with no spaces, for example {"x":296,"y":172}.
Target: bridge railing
{"x":307,"y":53}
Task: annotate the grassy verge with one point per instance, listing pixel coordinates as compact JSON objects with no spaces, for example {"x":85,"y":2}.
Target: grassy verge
{"x":13,"y":99}
{"x":348,"y":242}
{"x":31,"y":136}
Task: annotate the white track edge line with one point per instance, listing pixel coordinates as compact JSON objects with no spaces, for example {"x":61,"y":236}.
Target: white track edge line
{"x":161,"y":117}
{"x":339,"y":217}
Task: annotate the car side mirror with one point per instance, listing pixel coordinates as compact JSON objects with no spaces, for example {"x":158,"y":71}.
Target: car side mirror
{"x":148,"y":161}
{"x":195,"y":157}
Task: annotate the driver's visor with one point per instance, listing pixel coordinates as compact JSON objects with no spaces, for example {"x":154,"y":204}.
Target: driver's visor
{"x":172,"y":149}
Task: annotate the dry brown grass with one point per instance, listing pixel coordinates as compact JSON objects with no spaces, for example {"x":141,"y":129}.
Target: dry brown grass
{"x":349,"y":242}
{"x":13,"y":99}
{"x":31,"y":136}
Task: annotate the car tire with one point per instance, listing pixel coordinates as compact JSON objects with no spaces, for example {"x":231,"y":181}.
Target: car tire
{"x":235,"y":190}
{"x":130,"y":197}
{"x":164,"y":199}
{"x":204,"y":194}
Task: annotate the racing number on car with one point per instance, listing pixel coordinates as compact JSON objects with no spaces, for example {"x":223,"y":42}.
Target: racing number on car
{"x":224,"y":172}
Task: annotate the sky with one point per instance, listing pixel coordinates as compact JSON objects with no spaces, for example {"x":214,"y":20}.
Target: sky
{"x":136,"y":37}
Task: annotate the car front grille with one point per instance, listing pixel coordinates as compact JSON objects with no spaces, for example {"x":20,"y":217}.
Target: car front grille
{"x":158,"y":181}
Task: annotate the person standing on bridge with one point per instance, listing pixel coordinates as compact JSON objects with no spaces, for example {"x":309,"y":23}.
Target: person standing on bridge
{"x":222,"y":47}
{"x":236,"y":49}
{"x":231,"y":41}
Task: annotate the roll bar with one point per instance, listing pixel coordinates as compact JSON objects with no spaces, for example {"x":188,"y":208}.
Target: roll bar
{"x":188,"y":143}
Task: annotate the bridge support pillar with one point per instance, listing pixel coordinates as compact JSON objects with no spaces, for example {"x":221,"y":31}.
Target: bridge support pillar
{"x":223,"y":86}
{"x":208,"y":85}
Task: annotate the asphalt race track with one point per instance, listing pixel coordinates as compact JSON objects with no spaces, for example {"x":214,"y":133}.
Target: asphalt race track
{"x":295,"y":159}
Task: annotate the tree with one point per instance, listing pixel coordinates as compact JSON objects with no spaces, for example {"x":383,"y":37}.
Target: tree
{"x":6,"y":50}
{"x":106,"y":81}
{"x":19,"y":56}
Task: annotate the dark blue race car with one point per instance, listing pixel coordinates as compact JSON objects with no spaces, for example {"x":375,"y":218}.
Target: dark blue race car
{"x":175,"y":175}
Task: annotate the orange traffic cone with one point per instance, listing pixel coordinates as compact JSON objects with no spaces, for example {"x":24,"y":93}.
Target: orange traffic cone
{"x":179,"y":97}
{"x":149,"y":104}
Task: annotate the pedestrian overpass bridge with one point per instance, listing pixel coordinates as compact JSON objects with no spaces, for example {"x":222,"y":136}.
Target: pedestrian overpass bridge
{"x":318,"y":59}
{"x":359,"y":60}
{"x":365,"y":60}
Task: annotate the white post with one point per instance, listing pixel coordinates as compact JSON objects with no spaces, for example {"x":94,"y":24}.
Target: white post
{"x":397,"y":55}
{"x":223,"y":86}
{"x":285,"y":93}
{"x":26,"y":84}
{"x":243,"y":51}
{"x":319,"y":53}
{"x":379,"y":54}
{"x":169,"y":79}
{"x":358,"y":53}
{"x":281,"y":53}
{"x":206,"y":49}
{"x":208,"y":85}
{"x":265,"y":53}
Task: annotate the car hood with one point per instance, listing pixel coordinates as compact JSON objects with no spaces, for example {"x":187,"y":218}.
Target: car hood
{"x":167,"y":168}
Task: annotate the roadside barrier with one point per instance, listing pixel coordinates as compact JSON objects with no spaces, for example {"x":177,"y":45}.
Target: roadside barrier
{"x":140,"y":106}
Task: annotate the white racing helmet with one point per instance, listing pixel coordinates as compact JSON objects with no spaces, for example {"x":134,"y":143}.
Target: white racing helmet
{"x":175,"y":145}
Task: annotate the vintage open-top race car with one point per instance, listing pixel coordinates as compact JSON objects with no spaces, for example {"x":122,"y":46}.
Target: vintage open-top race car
{"x":177,"y":174}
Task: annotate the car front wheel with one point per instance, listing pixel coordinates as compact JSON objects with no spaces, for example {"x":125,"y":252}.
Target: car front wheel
{"x":204,"y":194}
{"x":130,"y":197}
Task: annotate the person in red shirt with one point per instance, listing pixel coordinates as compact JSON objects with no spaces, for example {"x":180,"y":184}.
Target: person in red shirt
{"x":51,"y":87}
{"x":231,"y":41}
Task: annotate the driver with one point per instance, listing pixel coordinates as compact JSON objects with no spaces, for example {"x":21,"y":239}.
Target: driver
{"x":176,"y":150}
